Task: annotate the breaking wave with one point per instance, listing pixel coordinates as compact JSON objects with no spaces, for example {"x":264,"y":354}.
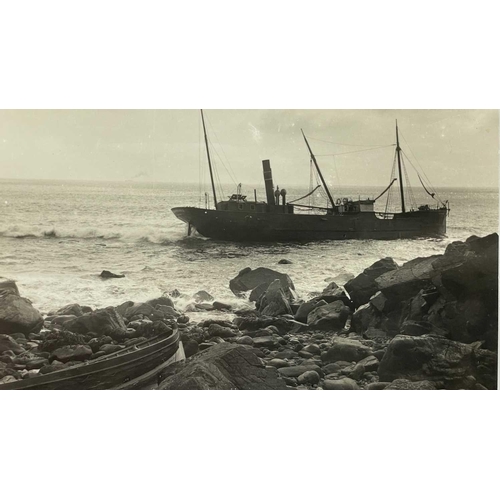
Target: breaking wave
{"x":139,"y":235}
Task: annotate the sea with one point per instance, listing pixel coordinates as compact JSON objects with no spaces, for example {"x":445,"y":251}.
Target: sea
{"x":57,"y":236}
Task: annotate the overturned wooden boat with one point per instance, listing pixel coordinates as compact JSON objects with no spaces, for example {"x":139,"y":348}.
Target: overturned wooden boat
{"x":240,"y":219}
{"x":131,"y":368}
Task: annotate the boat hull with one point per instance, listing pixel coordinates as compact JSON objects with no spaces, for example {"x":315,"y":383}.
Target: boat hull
{"x":281,"y":227}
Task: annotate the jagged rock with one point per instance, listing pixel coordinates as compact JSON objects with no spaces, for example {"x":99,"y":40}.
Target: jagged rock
{"x":329,"y":317}
{"x":72,"y":353}
{"x":274,"y":301}
{"x":418,"y":328}
{"x":102,"y":322}
{"x":334,"y":295}
{"x":369,"y":364}
{"x":60,"y":320}
{"x":109,"y":274}
{"x":365,"y":317}
{"x":16,"y":313}
{"x":224,"y":366}
{"x":8,"y":285}
{"x":364,"y":285}
{"x":346,"y":350}
{"x":343,"y":384}
{"x":249,"y":280}
{"x":433,"y":358}
{"x":308,"y":378}
{"x":407,"y":385}
{"x":306,"y":307}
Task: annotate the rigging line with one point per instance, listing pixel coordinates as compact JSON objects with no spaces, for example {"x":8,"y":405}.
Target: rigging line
{"x":222,"y":149}
{"x":308,"y":194}
{"x":223,"y":164}
{"x":418,"y":163}
{"x":409,"y":190}
{"x":357,"y":151}
{"x":351,"y":145}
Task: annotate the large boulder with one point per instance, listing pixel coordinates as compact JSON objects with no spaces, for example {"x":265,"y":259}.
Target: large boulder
{"x":346,"y":350}
{"x":102,"y":322}
{"x":453,"y":364}
{"x":223,"y":366}
{"x":363,"y":286}
{"x":306,"y":307}
{"x":262,"y":277}
{"x":331,"y":317}
{"x":274,"y":301}
{"x":17,"y":315}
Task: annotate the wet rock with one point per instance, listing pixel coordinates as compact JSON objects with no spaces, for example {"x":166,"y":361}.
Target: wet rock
{"x":224,"y":366}
{"x":285,"y":261}
{"x":249,"y":279}
{"x":102,"y":322}
{"x":331,"y":317}
{"x":202,"y":296}
{"x":16,"y":313}
{"x":407,"y":385}
{"x":221,"y":306}
{"x":72,"y":353}
{"x":274,"y":301}
{"x":305,"y":308}
{"x":8,"y":286}
{"x":160,"y":301}
{"x":346,"y":350}
{"x":308,"y":378}
{"x":361,"y":288}
{"x":70,"y":309}
{"x":109,"y":274}
{"x":343,"y":384}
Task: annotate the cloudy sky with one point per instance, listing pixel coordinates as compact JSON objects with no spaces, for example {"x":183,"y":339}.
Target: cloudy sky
{"x":454,"y":147}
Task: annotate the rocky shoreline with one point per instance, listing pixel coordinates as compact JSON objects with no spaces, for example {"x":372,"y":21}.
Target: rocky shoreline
{"x":431,"y":323}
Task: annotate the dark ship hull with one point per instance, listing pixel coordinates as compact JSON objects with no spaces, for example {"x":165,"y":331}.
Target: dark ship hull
{"x":282,"y":227}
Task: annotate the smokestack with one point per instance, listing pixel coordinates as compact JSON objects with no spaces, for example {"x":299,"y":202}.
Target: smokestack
{"x":268,"y":179}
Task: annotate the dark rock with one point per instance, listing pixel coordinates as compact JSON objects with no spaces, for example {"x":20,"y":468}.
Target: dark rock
{"x":109,"y":274}
{"x":224,"y":366}
{"x":367,"y":317}
{"x":308,"y":378}
{"x":245,"y":340}
{"x":16,"y":313}
{"x":312,"y":348}
{"x":334,"y":295}
{"x":374,"y":333}
{"x":370,"y":364}
{"x":305,"y":354}
{"x":377,"y":386}
{"x":278,"y":363}
{"x":36,"y":363}
{"x":102,"y":321}
{"x":429,"y":358}
{"x":70,"y":309}
{"x":265,"y":342}
{"x":407,"y":385}
{"x":190,"y":348}
{"x":215,"y":330}
{"x":296,"y":371}
{"x":364,"y":285}
{"x":418,"y":328}
{"x":72,"y":353}
{"x":274,"y":301}
{"x":287,"y":354}
{"x":343,"y":384}
{"x":8,"y":286}
{"x":160,"y":301}
{"x":248,"y":280}
{"x":305,"y":308}
{"x":346,"y":350}
{"x":285,"y":261}
{"x":110,"y":348}
{"x":221,"y":306}
{"x":332,"y":368}
{"x":61,"y":320}
{"x":291,"y":382}
{"x":330,"y":317}
{"x":96,"y":343}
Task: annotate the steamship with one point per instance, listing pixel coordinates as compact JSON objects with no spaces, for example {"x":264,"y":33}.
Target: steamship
{"x":276,"y":220}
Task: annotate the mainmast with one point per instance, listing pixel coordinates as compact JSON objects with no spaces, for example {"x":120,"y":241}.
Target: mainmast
{"x":209,"y":161}
{"x":319,"y":171}
{"x":398,"y":150}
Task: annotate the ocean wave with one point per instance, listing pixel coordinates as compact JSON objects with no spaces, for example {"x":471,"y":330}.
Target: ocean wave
{"x":137,"y":235}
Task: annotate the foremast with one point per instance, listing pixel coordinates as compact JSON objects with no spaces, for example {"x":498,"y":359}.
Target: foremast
{"x":398,"y":151}
{"x":209,"y":160}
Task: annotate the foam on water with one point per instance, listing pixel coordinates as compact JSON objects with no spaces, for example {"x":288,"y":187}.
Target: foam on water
{"x":55,"y":239}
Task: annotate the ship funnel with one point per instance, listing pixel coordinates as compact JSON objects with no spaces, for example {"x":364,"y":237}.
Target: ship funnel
{"x":268,"y":179}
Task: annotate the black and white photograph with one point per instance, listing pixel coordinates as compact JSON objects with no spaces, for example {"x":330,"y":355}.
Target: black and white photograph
{"x":249,"y":249}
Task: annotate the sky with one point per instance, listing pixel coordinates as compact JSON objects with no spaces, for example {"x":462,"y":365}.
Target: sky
{"x":453,"y":147}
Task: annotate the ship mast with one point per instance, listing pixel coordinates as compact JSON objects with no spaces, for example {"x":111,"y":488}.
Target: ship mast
{"x":319,"y":171}
{"x":209,"y":160}
{"x":398,"y":150}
